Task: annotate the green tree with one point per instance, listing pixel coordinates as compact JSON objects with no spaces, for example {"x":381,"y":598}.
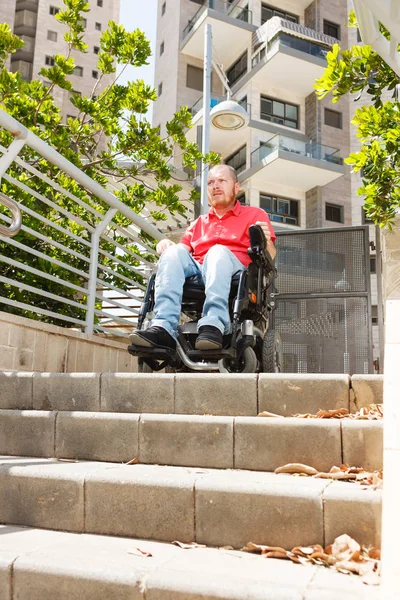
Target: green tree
{"x":109,"y":137}
{"x":362,"y":72}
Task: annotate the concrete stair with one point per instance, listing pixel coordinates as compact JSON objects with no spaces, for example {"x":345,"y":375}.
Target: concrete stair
{"x":204,"y":473}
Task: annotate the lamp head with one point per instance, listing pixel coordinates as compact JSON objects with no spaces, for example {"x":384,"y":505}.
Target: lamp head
{"x":229,"y":115}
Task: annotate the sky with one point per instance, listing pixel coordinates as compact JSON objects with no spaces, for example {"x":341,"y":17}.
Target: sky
{"x":142,"y":15}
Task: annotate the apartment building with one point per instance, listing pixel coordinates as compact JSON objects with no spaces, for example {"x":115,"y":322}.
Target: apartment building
{"x":34,"y":21}
{"x":271,"y":54}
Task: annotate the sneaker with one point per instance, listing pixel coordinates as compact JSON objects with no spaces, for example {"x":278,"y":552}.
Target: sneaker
{"x":153,"y":337}
{"x":209,"y":338}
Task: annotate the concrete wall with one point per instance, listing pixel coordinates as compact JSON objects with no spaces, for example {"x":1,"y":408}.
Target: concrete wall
{"x":27,"y":345}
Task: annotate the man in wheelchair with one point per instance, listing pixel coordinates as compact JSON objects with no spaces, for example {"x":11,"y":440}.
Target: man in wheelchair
{"x":221,"y":277}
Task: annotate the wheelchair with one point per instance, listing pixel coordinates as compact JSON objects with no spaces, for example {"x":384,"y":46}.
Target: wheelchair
{"x":252,"y":346}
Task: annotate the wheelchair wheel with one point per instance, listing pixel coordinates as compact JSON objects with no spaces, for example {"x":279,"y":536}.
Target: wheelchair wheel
{"x":248,"y":363}
{"x":272,"y":356}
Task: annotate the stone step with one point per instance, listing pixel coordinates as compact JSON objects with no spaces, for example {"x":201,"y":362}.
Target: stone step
{"x":38,"y":564}
{"x":253,"y":443}
{"x":212,"y":507}
{"x":216,"y":394}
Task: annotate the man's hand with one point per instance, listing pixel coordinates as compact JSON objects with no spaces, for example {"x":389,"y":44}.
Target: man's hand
{"x":266,"y":230}
{"x":163,"y":245}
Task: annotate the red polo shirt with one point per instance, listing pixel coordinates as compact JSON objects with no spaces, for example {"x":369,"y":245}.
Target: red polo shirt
{"x":231,"y":230}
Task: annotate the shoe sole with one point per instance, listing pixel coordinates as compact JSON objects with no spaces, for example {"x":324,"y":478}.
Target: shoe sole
{"x":207,"y":345}
{"x":137,"y":339}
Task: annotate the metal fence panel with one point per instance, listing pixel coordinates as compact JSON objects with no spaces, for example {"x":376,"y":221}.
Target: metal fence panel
{"x":324,"y":307}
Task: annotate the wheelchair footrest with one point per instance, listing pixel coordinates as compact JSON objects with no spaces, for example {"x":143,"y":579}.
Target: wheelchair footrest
{"x":155,"y":353}
{"x":199,"y":355}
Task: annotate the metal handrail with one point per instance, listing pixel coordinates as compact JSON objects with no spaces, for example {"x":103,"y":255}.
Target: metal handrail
{"x":76,"y":259}
{"x":16,"y":222}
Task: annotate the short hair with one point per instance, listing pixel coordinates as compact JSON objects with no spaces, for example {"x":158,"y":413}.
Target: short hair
{"x":231,"y":170}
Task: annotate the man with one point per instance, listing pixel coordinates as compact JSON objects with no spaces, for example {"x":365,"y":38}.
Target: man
{"x":214,"y":246}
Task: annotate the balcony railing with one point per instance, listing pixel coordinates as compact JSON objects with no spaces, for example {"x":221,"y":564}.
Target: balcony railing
{"x":233,"y":11}
{"x":214,"y":100}
{"x":281,"y":32}
{"x":287,"y":144}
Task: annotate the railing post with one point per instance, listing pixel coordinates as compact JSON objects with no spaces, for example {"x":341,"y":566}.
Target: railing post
{"x":94,"y":262}
{"x":12,"y":152}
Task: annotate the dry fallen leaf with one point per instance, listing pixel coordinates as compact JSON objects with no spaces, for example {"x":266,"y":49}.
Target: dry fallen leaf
{"x":299,"y":468}
{"x":134,"y":461}
{"x":372,"y":412}
{"x":345,"y":555}
{"x":265,"y":413}
{"x":139,"y":552}
{"x":188,"y":546}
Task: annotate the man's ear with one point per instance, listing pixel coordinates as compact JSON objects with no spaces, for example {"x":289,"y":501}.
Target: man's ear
{"x":237,"y":188}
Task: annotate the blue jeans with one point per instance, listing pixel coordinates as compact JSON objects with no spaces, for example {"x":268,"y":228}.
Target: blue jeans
{"x":174,"y":266}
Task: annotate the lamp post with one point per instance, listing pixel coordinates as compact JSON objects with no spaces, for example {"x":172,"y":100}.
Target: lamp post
{"x":227,"y":115}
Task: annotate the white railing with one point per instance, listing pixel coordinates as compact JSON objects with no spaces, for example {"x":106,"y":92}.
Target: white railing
{"x":277,"y":25}
{"x":16,"y":222}
{"x":80,"y":259}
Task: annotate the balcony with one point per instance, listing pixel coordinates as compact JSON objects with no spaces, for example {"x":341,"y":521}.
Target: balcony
{"x":278,"y":48}
{"x":231,"y":27}
{"x":28,"y":5}
{"x":23,"y":68}
{"x":25,"y":23}
{"x":288,"y":161}
{"x":220,"y":141}
{"x":25,"y":53}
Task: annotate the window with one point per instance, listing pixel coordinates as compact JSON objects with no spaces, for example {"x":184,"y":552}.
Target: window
{"x":334,"y":212}
{"x":280,"y":210}
{"x":52,"y":36}
{"x":333,"y":118}
{"x":100,"y":3}
{"x":160,"y":89}
{"x":364,"y":218}
{"x":241,"y":198}
{"x":73,"y":93}
{"x":237,"y":70}
{"x":372,"y":264}
{"x":96,"y":49}
{"x":279,"y":112}
{"x":194,"y":78}
{"x":95,"y":74}
{"x":98,"y":26}
{"x":162,"y":48}
{"x":374,"y":315}
{"x":49,"y":60}
{"x":53,"y":10}
{"x":163,"y":8}
{"x":78,"y":71}
{"x":83,"y":22}
{"x":267,"y":12}
{"x":332,"y":29}
{"x":238,"y":160}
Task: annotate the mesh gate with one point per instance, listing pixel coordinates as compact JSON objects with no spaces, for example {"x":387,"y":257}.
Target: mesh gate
{"x":323,"y":310}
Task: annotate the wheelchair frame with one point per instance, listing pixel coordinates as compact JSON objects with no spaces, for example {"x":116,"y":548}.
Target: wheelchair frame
{"x":251,"y":315}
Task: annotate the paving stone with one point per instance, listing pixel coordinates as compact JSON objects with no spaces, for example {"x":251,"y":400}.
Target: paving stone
{"x":233,"y":510}
{"x":351,"y":509}
{"x":42,"y":493}
{"x":186,"y":440}
{"x":141,"y":501}
{"x":331,"y":585}
{"x":27,"y":433}
{"x":363,"y":443}
{"x":16,"y":390}
{"x":6,"y":566}
{"x":267,"y":443}
{"x":216,"y":394}
{"x":287,"y":394}
{"x":66,"y":391}
{"x":97,"y":436}
{"x":137,"y":393}
{"x":367,"y":389}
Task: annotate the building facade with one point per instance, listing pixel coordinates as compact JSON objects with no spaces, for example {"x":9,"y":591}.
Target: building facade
{"x":35,"y":22}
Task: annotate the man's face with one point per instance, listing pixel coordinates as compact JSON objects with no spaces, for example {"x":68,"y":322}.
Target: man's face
{"x":222,"y":188}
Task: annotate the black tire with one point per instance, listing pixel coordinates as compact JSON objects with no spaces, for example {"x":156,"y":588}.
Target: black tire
{"x":272,"y":355}
{"x":249,"y":363}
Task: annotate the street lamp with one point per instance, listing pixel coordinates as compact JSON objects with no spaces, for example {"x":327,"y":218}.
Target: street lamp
{"x":227,"y":115}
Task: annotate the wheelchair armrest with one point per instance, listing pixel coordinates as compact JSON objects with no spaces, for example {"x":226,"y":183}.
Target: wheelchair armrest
{"x":258,"y":249}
